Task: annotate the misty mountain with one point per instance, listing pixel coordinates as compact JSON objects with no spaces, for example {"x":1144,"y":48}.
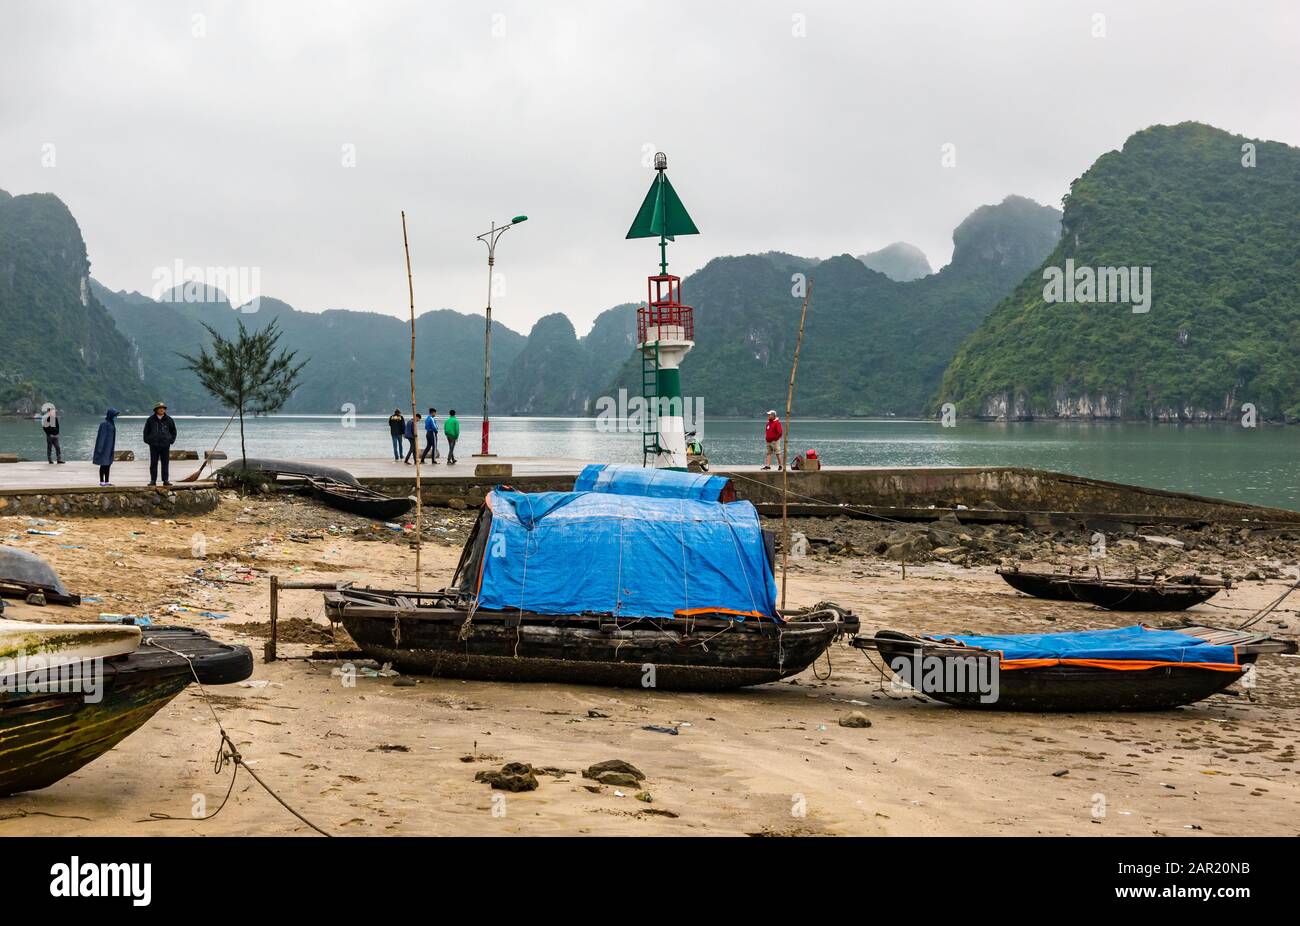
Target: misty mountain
{"x":900,"y":261}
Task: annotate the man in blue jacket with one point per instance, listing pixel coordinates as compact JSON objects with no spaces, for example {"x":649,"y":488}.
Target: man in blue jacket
{"x":430,"y":435}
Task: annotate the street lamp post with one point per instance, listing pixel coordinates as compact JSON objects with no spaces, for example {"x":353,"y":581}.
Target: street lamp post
{"x":489,"y":238}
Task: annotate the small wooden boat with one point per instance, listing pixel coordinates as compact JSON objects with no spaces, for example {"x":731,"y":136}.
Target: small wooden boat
{"x":1138,"y":593}
{"x":1047,"y":585}
{"x":23,"y":572}
{"x":1053,"y":674}
{"x":426,"y":633}
{"x":335,"y":487}
{"x":358,"y":500}
{"x":290,"y":468}
{"x":69,"y":693}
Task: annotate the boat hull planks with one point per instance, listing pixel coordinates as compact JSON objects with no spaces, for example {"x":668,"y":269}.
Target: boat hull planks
{"x":714,"y":655}
{"x":47,"y":735}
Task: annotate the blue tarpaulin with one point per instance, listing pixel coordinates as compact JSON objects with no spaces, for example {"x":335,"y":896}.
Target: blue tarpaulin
{"x":626,"y":555}
{"x":1122,"y":644}
{"x":648,"y":481}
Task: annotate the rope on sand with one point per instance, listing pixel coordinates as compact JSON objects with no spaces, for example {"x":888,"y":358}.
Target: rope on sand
{"x":227,"y":753}
{"x":1269,"y":608}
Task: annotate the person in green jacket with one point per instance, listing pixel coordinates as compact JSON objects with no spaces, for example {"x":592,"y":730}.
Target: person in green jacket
{"x":451,"y":431}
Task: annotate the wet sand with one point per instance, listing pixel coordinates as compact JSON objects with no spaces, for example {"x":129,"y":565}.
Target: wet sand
{"x":382,"y":758}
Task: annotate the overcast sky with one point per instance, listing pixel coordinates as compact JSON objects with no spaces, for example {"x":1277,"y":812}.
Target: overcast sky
{"x":215,"y":133}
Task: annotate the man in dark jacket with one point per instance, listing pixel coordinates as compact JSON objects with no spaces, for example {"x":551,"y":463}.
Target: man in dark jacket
{"x":396,"y":428}
{"x":159,"y":434}
{"x":410,"y":439}
{"x":50,"y":425}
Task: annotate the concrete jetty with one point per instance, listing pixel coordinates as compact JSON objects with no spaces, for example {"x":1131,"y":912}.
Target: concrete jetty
{"x":1037,"y":498}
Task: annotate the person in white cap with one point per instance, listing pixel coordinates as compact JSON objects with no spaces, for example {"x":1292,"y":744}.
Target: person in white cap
{"x":772,"y":434}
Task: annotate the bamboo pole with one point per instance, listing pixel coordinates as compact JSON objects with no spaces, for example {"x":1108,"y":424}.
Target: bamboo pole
{"x":785,"y":446}
{"x":415,"y":431}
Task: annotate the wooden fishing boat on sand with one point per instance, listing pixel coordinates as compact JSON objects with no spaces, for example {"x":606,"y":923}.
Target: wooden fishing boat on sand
{"x":358,"y":500}
{"x":1136,"y":593}
{"x":1123,"y":669}
{"x":335,"y":487}
{"x":422,"y":633}
{"x":71,"y":692}
{"x":23,"y":573}
{"x":670,"y":590}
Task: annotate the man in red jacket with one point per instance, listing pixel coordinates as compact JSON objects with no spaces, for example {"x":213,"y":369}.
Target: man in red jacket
{"x":772,"y":434}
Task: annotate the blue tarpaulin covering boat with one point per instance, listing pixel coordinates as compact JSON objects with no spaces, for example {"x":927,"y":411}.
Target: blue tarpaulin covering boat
{"x":605,"y":587}
{"x":1117,"y":648}
{"x":653,"y":483}
{"x":624,"y":555}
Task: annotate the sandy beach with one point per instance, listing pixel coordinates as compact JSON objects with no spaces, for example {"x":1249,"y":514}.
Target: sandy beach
{"x":386,"y":756}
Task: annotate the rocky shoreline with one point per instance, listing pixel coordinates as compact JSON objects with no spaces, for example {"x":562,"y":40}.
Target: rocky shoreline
{"x":1213,"y":549}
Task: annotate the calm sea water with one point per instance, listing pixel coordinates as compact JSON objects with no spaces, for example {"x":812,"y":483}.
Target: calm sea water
{"x":1260,"y":465}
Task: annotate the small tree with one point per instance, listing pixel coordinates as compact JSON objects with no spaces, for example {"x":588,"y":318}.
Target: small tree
{"x":243,"y":374}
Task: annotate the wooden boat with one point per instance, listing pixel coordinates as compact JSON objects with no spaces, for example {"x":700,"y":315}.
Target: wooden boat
{"x":290,"y":468}
{"x":1047,"y":585}
{"x":49,"y":729}
{"x":645,"y":579}
{"x":1074,"y":684}
{"x":335,"y":487}
{"x":1139,"y":593}
{"x":358,"y":500}
{"x":426,"y":633}
{"x":23,"y":572}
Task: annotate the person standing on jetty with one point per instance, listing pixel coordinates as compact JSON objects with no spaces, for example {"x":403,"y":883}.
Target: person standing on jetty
{"x":50,"y":425}
{"x":430,"y":435}
{"x":410,"y":439}
{"x":105,"y":444}
{"x":772,"y":434}
{"x":396,"y":428}
{"x":451,"y":428}
{"x":159,"y":435}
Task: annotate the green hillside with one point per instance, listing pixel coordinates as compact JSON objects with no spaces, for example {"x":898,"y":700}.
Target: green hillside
{"x":61,"y":346}
{"x":1223,"y":325}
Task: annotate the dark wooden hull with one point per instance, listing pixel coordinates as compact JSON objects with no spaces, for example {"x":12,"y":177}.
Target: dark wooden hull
{"x":364,"y":503}
{"x":1116,"y":595}
{"x":46,"y":736}
{"x":714,"y":656}
{"x":1079,"y":688}
{"x":1039,"y":585}
{"x":1152,"y":598}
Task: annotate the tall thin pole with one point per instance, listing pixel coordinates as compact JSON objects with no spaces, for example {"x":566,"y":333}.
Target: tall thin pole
{"x":415,"y":432}
{"x":487,"y":344}
{"x":785,"y":446}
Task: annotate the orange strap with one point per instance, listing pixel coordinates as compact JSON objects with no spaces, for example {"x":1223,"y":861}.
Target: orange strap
{"x":688,"y":612}
{"x":1117,"y":664}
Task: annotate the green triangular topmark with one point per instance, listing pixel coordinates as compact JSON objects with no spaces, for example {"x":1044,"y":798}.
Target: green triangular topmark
{"x":662,"y":213}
